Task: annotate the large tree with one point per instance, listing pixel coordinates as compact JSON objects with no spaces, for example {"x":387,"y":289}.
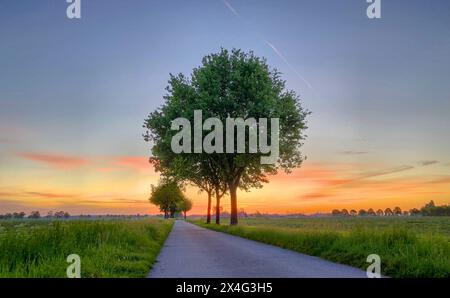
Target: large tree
{"x":238,"y":85}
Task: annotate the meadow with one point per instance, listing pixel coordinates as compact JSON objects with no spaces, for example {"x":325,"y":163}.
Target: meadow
{"x":408,"y":246}
{"x":107,"y":248}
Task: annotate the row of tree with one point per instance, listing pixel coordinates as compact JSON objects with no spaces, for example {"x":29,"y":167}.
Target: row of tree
{"x":228,"y":84}
{"x":35,"y":215}
{"x":429,"y":209}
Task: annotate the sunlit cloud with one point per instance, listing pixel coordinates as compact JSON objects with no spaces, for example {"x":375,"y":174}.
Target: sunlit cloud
{"x":48,"y":195}
{"x":55,"y":160}
{"x":136,"y":163}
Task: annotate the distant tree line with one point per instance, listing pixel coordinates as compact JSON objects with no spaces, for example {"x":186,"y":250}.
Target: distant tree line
{"x":429,"y":209}
{"x":35,"y":215}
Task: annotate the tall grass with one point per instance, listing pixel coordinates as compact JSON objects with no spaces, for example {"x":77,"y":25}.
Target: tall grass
{"x":107,"y":248}
{"x":403,"y":252}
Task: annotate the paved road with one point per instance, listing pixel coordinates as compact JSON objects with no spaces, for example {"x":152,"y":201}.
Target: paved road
{"x":192,"y":251}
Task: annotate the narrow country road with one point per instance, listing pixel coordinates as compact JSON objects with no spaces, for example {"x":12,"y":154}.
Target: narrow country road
{"x":192,"y":251}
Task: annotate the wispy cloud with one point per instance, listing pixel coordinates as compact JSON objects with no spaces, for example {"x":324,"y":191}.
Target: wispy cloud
{"x":382,"y":172}
{"x":427,"y":162}
{"x":55,"y":160}
{"x":332,"y":183}
{"x":140,"y":163}
{"x":49,"y":195}
{"x":354,"y":152}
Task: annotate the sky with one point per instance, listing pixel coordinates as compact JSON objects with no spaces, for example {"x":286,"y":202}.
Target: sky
{"x":74,"y":94}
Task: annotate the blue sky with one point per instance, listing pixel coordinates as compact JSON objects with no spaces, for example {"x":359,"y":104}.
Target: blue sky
{"x":378,"y":89}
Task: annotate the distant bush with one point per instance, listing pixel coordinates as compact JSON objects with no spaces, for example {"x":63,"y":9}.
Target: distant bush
{"x":431,"y":209}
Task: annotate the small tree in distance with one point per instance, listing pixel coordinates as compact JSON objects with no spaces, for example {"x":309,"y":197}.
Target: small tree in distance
{"x":336,"y":212}
{"x":362,"y":212}
{"x":184,"y":206}
{"x":167,"y":195}
{"x":397,"y":211}
{"x":388,"y":212}
{"x":34,"y":215}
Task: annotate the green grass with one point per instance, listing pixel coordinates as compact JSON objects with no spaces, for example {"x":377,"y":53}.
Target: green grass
{"x":107,"y":248}
{"x":408,"y":247}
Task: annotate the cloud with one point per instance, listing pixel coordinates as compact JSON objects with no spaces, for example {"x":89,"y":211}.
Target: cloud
{"x":114,"y":201}
{"x":350,"y":152}
{"x":139,"y":163}
{"x":389,"y":171}
{"x":427,"y":162}
{"x":55,"y":160}
{"x":48,"y":195}
{"x":332,"y":185}
{"x":443,"y":180}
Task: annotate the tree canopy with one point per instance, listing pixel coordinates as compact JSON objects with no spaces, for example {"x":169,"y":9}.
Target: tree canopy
{"x":228,"y":84}
{"x":168,"y":196}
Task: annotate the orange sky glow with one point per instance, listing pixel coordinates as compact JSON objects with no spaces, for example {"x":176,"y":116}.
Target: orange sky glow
{"x":121,"y":185}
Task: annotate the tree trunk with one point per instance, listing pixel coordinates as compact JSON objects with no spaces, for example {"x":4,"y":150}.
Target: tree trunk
{"x":184,"y":215}
{"x":233,"y":198}
{"x":208,"y":216}
{"x":217,"y":209}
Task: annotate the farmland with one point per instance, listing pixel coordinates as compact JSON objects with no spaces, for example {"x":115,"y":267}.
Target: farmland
{"x":107,"y":248}
{"x":407,"y":246}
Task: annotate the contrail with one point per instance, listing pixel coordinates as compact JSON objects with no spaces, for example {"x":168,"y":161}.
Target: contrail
{"x":231,"y":8}
{"x":277,"y":52}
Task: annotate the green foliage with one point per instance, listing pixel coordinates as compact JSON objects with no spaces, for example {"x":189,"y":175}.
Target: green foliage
{"x":185,"y":205}
{"x":228,"y":84}
{"x":108,"y":248}
{"x":431,"y":209}
{"x":408,"y":247}
{"x":168,"y":196}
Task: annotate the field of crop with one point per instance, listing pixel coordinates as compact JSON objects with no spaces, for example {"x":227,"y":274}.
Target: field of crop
{"x":407,"y":246}
{"x":107,"y":248}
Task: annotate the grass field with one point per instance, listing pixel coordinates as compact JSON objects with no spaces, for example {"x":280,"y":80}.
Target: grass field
{"x":407,"y":246}
{"x":107,"y":248}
